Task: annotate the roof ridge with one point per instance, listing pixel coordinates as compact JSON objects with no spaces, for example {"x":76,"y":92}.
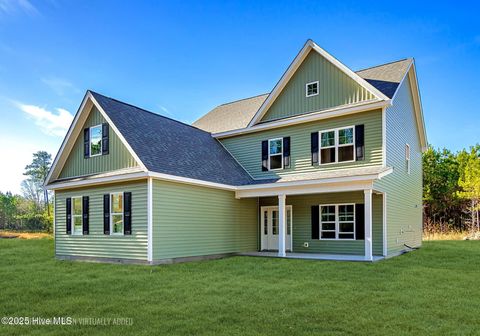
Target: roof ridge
{"x":239,"y":100}
{"x":147,"y":111}
{"x":380,"y":65}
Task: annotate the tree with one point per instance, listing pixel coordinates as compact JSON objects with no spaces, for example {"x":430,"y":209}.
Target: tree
{"x":33,"y":188}
{"x":469,"y":181}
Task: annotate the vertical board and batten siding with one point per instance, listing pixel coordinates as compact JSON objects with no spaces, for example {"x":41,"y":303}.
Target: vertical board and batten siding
{"x":404,"y":191}
{"x":335,"y":89}
{"x":302,"y":223}
{"x":248,"y":151}
{"x":96,"y":243}
{"x":119,"y":157}
{"x":195,"y":221}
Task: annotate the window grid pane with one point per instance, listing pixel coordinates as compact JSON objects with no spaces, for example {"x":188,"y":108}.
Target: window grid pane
{"x":96,"y":140}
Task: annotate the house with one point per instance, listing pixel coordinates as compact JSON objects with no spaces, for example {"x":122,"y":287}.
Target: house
{"x":326,"y":165}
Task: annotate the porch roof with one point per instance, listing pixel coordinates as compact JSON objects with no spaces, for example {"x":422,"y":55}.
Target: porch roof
{"x":316,"y":182}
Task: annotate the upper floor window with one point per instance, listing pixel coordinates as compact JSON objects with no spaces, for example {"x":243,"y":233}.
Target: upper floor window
{"x":96,"y":140}
{"x":275,"y":153}
{"x":407,"y":157}
{"x":337,"y":145}
{"x":311,"y":89}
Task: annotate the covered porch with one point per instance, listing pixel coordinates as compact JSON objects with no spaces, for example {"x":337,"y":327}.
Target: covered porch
{"x":322,"y":220}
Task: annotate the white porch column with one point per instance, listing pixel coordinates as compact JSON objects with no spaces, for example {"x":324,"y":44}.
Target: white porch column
{"x":368,"y":224}
{"x":281,"y":225}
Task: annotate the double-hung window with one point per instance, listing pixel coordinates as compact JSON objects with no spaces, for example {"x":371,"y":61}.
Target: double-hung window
{"x":96,"y":140}
{"x":337,"y":221}
{"x":77,"y":212}
{"x":275,"y":154}
{"x":116,"y":213}
{"x":337,"y":145}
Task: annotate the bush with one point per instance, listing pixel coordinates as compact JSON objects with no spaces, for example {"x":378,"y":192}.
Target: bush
{"x":34,"y":222}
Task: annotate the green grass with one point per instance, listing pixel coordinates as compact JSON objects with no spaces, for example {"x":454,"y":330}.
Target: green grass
{"x":435,"y":290}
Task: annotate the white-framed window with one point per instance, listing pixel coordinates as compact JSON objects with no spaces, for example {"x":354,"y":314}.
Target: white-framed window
{"x":96,"y":140}
{"x":77,"y":215}
{"x":275,"y":154}
{"x":337,"y":221}
{"x":116,"y":213}
{"x":407,"y":157}
{"x":311,"y":89}
{"x":337,"y":145}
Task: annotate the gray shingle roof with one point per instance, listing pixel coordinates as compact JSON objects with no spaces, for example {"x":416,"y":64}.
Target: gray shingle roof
{"x":386,"y":77}
{"x":231,"y":116}
{"x":168,"y":146}
{"x":238,"y":114}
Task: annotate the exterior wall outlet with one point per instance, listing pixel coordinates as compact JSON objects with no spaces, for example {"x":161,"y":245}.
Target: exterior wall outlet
{"x":305,"y":244}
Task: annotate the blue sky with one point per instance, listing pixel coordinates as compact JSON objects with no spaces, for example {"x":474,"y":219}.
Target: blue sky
{"x":181,"y":59}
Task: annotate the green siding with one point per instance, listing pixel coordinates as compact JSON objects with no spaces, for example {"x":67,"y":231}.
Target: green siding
{"x":192,"y":221}
{"x":335,"y":89}
{"x":247,"y":148}
{"x":119,"y":157}
{"x":97,"y":244}
{"x":302,"y":225}
{"x":404,"y":192}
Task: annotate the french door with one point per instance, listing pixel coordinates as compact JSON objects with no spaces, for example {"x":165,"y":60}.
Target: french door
{"x":270,"y":229}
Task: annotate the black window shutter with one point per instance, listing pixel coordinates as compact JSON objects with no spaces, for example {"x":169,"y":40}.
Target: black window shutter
{"x":315,"y":222}
{"x":314,"y":147}
{"x":106,"y":214}
{"x":105,"y":139}
{"x":86,"y":143}
{"x":360,"y":221}
{"x":127,"y":213}
{"x":286,"y":152}
{"x":360,"y":142}
{"x":85,"y":209}
{"x":69,"y":215}
{"x":265,"y":155}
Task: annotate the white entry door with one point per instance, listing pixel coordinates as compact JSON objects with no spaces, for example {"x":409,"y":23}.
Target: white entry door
{"x":270,"y":222}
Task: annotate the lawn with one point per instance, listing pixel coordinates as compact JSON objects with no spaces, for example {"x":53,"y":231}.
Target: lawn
{"x":435,"y":290}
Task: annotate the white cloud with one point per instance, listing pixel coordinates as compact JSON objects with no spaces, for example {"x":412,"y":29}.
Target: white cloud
{"x":165,"y":110}
{"x":51,"y":123}
{"x":59,"y":86}
{"x":10,"y":7}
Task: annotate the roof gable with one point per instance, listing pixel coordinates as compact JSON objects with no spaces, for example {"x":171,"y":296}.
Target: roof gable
{"x":171,"y":147}
{"x":335,"y":89}
{"x":118,"y":158}
{"x":295,"y":65}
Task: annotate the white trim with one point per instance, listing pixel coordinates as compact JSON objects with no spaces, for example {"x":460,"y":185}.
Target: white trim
{"x":262,"y":223}
{"x":336,"y":222}
{"x":187,"y":180}
{"x":384,"y":136}
{"x":111,"y":213}
{"x":281,"y":225}
{"x":384,"y":202}
{"x":317,"y":188}
{"x":368,"y":224}
{"x":75,"y":130}
{"x":336,"y":145}
{"x":306,"y":89}
{"x":90,"y":140}
{"x":311,"y":116}
{"x":54,"y":222}
{"x":72,"y":229}
{"x":96,"y":181}
{"x":150,"y":219}
{"x":310,"y":45}
{"x":270,"y":155}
